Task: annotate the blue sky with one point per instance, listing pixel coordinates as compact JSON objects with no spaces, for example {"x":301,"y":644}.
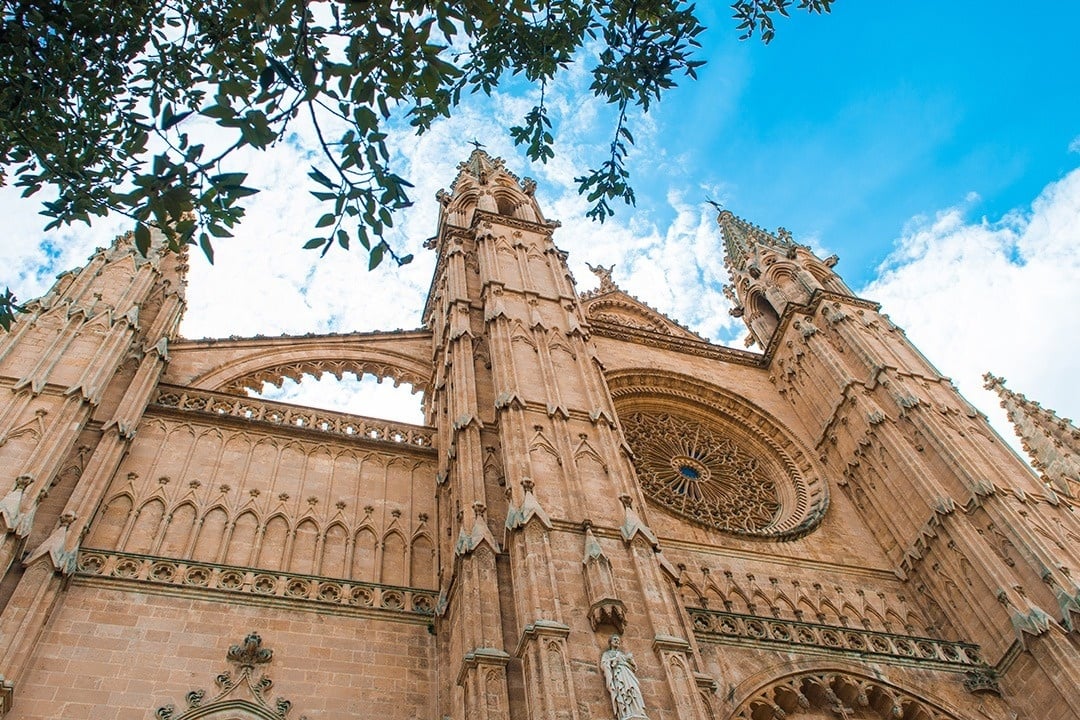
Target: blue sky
{"x":934,"y":146}
{"x":848,"y":125}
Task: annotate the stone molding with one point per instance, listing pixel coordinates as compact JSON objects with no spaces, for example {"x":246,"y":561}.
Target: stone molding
{"x":617,"y":331}
{"x":355,"y":427}
{"x":726,"y":628}
{"x":307,"y":591}
{"x":243,"y":689}
{"x":841,"y":694}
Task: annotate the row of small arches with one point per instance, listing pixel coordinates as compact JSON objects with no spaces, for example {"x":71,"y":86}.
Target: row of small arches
{"x":272,"y":544}
{"x":824,"y":611}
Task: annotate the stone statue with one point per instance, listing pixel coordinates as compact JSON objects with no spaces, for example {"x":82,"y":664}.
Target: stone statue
{"x":619,"y":673}
{"x":607,"y":284}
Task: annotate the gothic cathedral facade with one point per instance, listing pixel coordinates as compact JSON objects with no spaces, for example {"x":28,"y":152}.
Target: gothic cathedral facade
{"x":604,"y":516}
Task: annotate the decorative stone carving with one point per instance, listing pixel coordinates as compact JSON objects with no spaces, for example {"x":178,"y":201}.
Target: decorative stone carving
{"x":323,"y":421}
{"x":604,"y":273}
{"x":241,"y":690}
{"x":620,"y":674}
{"x":703,"y":473}
{"x":344,"y":597}
{"x":605,"y":607}
{"x":842,"y":695}
{"x":728,"y":628}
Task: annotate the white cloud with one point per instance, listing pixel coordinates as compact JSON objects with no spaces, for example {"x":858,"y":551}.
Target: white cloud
{"x":1000,"y":296}
{"x":1074,"y":145}
{"x":974,"y":296}
{"x":367,"y":396}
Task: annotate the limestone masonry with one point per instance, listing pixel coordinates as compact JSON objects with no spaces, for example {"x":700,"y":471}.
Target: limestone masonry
{"x":825,"y":529}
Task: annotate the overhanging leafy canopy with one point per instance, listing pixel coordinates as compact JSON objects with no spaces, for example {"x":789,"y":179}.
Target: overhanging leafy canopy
{"x":97,"y":99}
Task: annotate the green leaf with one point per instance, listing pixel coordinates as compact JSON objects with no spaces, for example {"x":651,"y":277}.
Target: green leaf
{"x":207,"y":248}
{"x":326,"y":220}
{"x":314,"y":243}
{"x":266,"y":78}
{"x":217,"y":231}
{"x":376,"y":256}
{"x":229,"y":179}
{"x":318,"y":177}
{"x":175,"y":119}
{"x":142,"y":239}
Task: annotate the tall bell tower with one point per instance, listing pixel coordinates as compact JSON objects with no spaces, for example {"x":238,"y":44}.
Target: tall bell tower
{"x":527,"y":431}
{"x":76,"y":373}
{"x":965,"y":524}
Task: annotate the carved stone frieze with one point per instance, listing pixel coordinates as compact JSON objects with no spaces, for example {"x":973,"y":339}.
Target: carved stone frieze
{"x":841,"y":695}
{"x":302,"y":590}
{"x":295,"y":418}
{"x":793,"y":636}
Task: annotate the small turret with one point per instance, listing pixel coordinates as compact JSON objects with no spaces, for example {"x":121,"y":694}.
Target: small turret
{"x":1053,"y":443}
{"x":769,"y":272}
{"x":484,"y":183}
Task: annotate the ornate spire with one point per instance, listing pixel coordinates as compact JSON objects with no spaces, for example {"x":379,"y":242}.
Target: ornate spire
{"x":769,"y":271}
{"x":481,"y":165}
{"x":1053,"y":443}
{"x":743,"y":239}
{"x":484,"y":183}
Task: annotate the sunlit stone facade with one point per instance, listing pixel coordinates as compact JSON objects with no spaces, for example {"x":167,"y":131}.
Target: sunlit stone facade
{"x":823,"y":529}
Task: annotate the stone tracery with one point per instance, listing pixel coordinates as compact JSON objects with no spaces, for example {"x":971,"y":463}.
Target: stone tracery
{"x":837,"y":694}
{"x":691,"y":469}
{"x":714,"y":460}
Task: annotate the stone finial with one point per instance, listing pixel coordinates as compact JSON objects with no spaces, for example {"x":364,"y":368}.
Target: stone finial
{"x":250,"y":652}
{"x":633,"y":525}
{"x":58,"y":547}
{"x":481,"y":533}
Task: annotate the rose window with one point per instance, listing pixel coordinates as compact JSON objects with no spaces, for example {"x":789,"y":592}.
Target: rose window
{"x":716,"y":475}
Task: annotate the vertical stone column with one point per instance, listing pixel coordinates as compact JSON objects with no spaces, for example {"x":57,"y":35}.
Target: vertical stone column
{"x":121,"y":283}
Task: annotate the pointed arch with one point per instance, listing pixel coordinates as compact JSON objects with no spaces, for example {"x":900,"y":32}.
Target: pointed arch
{"x":393,"y":558}
{"x":272,"y":548}
{"x":242,"y":542}
{"x":178,"y":531}
{"x":304,"y":547}
{"x":787,"y":608}
{"x":211,"y":538}
{"x":422,"y":562}
{"x":872,"y":618}
{"x":364,"y":555}
{"x":144,"y":530}
{"x":334,"y":560}
{"x":108,"y":526}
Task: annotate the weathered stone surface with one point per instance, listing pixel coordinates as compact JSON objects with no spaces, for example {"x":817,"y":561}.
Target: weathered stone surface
{"x":825,"y":529}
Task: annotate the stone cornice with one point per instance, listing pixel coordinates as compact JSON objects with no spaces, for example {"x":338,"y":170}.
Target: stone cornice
{"x":278,"y":417}
{"x":701,"y":348}
{"x":247,"y":585}
{"x":290,"y":340}
{"x":715,"y":626}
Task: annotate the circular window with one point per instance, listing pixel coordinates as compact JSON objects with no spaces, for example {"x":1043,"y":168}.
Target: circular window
{"x":705,"y":468}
